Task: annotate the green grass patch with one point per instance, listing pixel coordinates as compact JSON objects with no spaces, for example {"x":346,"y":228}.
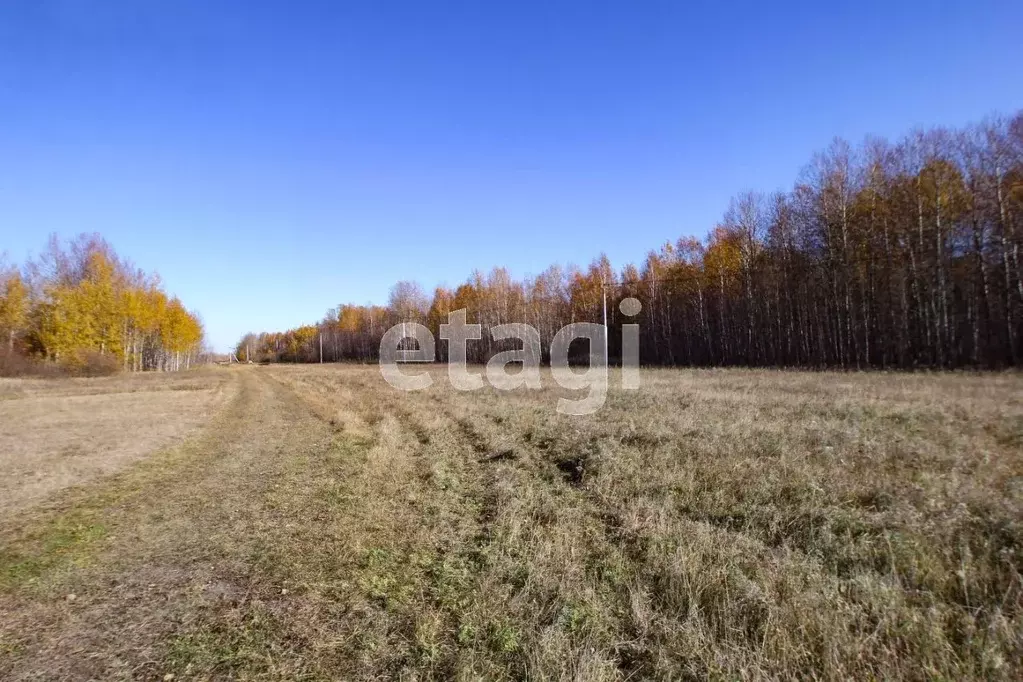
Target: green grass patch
{"x":67,"y":540}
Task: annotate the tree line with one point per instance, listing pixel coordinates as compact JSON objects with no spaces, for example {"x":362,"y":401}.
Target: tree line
{"x":79,"y":304}
{"x":889,"y":255}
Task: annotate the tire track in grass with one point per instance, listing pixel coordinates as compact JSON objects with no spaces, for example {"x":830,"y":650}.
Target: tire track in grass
{"x":456,"y":518}
{"x":528,"y":572}
{"x":412,"y":575}
{"x":453,"y":621}
{"x":177,"y":582}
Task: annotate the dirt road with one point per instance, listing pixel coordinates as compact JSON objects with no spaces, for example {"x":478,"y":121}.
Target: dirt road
{"x":134,"y":576}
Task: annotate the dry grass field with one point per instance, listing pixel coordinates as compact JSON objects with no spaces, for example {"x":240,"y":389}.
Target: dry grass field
{"x":59,"y":433}
{"x":309,"y":523}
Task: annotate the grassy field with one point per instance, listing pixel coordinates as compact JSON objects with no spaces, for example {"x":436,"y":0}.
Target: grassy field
{"x":313,"y":523}
{"x":54,"y":434}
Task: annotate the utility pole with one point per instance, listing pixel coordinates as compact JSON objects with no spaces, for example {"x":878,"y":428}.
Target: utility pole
{"x":321,"y":347}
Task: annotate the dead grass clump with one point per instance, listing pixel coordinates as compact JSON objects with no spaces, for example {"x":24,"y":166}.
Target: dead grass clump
{"x":90,"y":363}
{"x":14,"y":364}
{"x":86,"y":363}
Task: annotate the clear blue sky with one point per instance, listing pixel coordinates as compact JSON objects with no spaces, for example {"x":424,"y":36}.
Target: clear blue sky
{"x":271,"y":160}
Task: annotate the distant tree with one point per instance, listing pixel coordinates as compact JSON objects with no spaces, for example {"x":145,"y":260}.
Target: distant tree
{"x":14,"y":306}
{"x":904,"y":254}
{"x":79,"y":299}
